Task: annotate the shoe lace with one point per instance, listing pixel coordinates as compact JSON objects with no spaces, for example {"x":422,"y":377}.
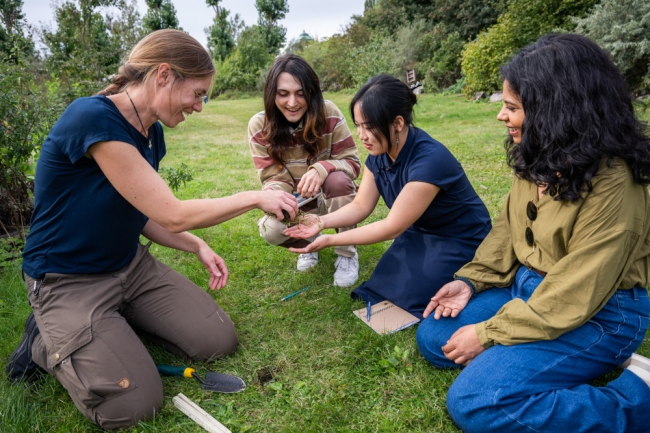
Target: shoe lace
{"x":345,"y":263}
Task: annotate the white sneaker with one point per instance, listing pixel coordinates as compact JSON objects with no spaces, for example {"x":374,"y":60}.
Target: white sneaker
{"x":639,"y":365}
{"x":307,"y":261}
{"x":347,"y":270}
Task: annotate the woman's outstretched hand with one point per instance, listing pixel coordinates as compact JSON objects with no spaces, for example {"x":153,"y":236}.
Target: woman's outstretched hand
{"x":215,"y":266}
{"x":310,"y":225}
{"x":450,"y":300}
{"x":318,"y":244}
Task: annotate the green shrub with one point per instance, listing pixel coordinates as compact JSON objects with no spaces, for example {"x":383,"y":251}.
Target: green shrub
{"x":246,"y":67}
{"x":481,"y":59}
{"x":455,"y":88}
{"x":522,"y":23}
{"x":442,"y":68}
{"x":622,"y":27}
{"x":341,"y":64}
{"x":378,"y":56}
{"x":25,"y":120}
{"x":10,"y":250}
{"x":332,"y":61}
{"x":86,"y":47}
{"x":176,"y":176}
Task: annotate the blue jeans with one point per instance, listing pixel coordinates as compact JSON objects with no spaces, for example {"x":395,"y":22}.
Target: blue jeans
{"x":543,"y":386}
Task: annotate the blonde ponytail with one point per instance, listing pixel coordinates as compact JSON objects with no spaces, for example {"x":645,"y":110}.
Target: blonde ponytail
{"x":185,"y":55}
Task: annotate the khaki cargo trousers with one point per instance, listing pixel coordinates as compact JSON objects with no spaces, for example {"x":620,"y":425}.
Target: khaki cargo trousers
{"x":88,"y":341}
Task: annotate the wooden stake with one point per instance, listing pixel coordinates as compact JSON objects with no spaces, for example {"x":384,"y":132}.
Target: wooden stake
{"x":198,"y":415}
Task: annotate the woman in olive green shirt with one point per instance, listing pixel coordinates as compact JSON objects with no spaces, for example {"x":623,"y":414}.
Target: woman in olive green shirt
{"x":556,"y":294}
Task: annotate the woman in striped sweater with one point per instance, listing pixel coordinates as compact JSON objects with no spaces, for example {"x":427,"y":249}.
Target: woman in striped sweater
{"x":301,"y":144}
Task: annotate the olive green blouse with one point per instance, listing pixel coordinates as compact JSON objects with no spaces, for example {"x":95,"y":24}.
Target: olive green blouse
{"x":588,"y":248}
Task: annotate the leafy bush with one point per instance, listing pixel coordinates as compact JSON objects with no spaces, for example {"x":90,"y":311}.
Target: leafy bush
{"x":176,"y":176}
{"x":331,"y":59}
{"x":341,"y":64}
{"x":10,"y":249}
{"x":86,"y":47}
{"x":25,"y":120}
{"x":442,"y":68}
{"x":411,"y":44}
{"x":481,"y":59}
{"x":622,"y":27}
{"x":378,"y":56}
{"x":429,"y":35}
{"x":246,"y":67}
{"x":522,"y":23}
{"x":386,"y":16}
{"x":455,"y":88}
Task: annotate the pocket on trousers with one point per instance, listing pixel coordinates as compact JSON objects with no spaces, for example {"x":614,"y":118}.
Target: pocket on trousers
{"x":86,"y":373}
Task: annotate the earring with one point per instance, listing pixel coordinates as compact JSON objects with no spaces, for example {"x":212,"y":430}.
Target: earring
{"x":396,"y":138}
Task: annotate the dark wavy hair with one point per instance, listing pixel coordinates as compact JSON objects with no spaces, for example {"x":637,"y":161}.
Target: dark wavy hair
{"x":277,"y":130}
{"x":381,"y":100}
{"x":578,"y":112}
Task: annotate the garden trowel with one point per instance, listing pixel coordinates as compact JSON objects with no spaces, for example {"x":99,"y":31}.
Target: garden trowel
{"x":213,"y":381}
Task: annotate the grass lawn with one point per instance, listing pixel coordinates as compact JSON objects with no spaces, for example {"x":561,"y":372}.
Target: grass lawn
{"x":309,"y":364}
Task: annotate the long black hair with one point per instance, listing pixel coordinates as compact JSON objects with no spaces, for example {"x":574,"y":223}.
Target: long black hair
{"x":578,"y":111}
{"x":277,"y":130}
{"x":381,"y":100}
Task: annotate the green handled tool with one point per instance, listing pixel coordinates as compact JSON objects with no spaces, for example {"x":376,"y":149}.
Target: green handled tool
{"x":213,"y":381}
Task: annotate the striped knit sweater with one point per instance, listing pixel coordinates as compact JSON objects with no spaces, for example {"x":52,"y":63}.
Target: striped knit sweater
{"x":339,"y":153}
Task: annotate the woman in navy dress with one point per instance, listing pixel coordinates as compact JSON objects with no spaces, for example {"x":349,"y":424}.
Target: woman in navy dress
{"x":436,"y":218}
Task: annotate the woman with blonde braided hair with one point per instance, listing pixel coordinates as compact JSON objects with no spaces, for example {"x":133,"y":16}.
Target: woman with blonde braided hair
{"x":91,"y":284}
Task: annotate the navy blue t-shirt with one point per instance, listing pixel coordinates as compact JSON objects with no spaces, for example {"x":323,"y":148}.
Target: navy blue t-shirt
{"x":426,"y":256}
{"x":81,"y":224}
{"x":457,"y":211}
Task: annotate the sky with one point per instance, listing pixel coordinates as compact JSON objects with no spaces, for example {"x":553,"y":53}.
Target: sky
{"x":320,"y":19}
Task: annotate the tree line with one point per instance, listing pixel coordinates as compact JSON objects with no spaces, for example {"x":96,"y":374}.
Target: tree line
{"x":453,"y":45}
{"x":449,"y":43}
{"x":460,"y":44}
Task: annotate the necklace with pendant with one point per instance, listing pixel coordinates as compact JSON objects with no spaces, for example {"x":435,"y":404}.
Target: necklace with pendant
{"x":144,"y":130}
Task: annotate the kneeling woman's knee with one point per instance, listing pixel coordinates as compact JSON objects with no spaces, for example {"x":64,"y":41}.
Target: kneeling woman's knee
{"x":272,"y":230}
{"x":220,"y":341}
{"x":430,"y":345}
{"x":470,"y":403}
{"x":226,"y":345}
{"x":127,"y":410}
{"x":456,"y":405}
{"x":338,"y":184}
